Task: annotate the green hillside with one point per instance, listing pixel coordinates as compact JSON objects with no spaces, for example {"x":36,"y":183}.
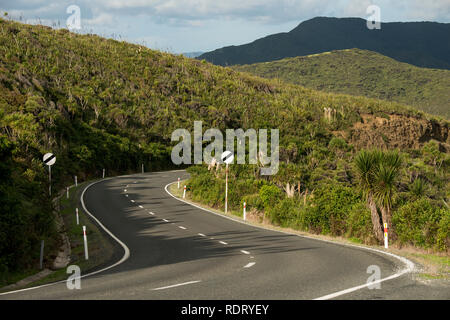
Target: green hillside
{"x":365,"y":73}
{"x":99,"y":103}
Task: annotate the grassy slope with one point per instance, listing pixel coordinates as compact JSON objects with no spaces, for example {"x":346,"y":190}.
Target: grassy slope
{"x":364,"y":73}
{"x":99,"y":103}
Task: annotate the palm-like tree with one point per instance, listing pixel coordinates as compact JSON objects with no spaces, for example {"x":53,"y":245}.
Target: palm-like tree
{"x":377,"y":173}
{"x":365,"y":163}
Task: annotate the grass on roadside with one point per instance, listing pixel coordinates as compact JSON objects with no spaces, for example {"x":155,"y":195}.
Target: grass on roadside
{"x":100,"y":247}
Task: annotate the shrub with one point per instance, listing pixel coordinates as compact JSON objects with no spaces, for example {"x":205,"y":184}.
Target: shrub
{"x":270,"y":195}
{"x":331,"y":204}
{"x":422,"y":224}
{"x":359,"y":223}
{"x":285,"y":212}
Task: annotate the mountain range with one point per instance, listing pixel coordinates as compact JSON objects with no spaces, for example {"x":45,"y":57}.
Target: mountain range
{"x":423,"y":44}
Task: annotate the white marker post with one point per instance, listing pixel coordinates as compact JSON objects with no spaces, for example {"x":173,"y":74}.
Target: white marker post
{"x":67,"y":192}
{"x":142,"y":168}
{"x":184,"y":192}
{"x":86,"y":254}
{"x":245,"y":214}
{"x":103,"y":173}
{"x":228,"y":158}
{"x":385,"y":236}
{"x":78,"y":219}
{"x":178,"y":183}
{"x":76,"y":181}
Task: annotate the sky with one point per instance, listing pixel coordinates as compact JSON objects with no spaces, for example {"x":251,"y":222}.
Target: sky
{"x":181,"y":26}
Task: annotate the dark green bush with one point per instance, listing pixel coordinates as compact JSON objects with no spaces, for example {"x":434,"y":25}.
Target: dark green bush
{"x":422,"y":224}
{"x":270,"y":195}
{"x":359,"y":223}
{"x":285,"y":213}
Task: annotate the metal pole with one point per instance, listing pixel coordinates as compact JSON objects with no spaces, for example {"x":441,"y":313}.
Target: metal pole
{"x":178,"y":183}
{"x":226,"y":189}
{"x":67,"y":188}
{"x":78,"y":219}
{"x":103,"y":173}
{"x":142,"y":168}
{"x":76,"y":181}
{"x":41,"y":260}
{"x":50,"y":180}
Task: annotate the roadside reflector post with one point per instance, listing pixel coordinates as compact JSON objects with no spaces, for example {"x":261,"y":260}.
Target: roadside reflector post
{"x":78,"y":219}
{"x":76,"y":181}
{"x":178,"y":183}
{"x":41,"y":260}
{"x":67,"y":192}
{"x":86,"y":254}
{"x":385,"y":236}
{"x":184,"y":192}
{"x":245,"y":214}
{"x":227,"y":157}
{"x":103,"y":174}
{"x":142,"y":168}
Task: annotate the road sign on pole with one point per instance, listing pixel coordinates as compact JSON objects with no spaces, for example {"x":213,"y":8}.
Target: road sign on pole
{"x":227,"y":157}
{"x":49,"y":159}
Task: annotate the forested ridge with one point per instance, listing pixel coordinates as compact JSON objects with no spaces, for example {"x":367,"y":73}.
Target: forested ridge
{"x":99,"y":103}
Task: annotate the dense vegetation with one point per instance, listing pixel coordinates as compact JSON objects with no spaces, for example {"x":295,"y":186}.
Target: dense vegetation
{"x":363,"y":73}
{"x":99,"y":103}
{"x":423,"y":44}
{"x":329,"y":188}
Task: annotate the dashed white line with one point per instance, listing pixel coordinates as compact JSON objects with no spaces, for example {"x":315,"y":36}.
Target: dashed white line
{"x":201,"y":234}
{"x":141,"y":207}
{"x":166,"y":220}
{"x":251,"y":264}
{"x":126,"y":195}
{"x":151,"y":213}
{"x":132,"y":200}
{"x":223,"y":242}
{"x":245,"y":252}
{"x":181,"y":227}
{"x":125,"y":190}
{"x":177,"y":285}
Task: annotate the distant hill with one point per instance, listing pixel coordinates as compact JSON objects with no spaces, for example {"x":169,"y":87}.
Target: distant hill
{"x":423,"y":44}
{"x":365,"y":73}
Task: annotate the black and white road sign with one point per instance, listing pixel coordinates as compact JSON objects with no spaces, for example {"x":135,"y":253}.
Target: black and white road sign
{"x":227,"y":157}
{"x":49,"y":159}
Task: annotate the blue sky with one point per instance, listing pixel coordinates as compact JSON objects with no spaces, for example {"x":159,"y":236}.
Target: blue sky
{"x":203,"y":25}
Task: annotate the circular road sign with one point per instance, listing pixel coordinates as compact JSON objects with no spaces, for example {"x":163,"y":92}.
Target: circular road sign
{"x":227,"y":157}
{"x":49,"y":159}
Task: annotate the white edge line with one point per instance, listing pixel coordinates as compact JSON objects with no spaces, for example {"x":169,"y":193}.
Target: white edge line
{"x":409,"y":265}
{"x":245,"y":252}
{"x":177,"y":285}
{"x":123,"y":259}
{"x":250,"y":264}
{"x":127,"y":251}
{"x":181,"y":227}
{"x":223,"y":242}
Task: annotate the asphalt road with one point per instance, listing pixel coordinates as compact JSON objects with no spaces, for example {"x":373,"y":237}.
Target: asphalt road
{"x":178,"y":251}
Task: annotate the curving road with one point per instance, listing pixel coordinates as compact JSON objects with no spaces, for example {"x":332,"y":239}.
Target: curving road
{"x":178,"y":251}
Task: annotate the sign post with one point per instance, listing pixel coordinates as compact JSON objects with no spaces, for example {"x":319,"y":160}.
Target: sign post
{"x":49,"y":159}
{"x":228,"y":158}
